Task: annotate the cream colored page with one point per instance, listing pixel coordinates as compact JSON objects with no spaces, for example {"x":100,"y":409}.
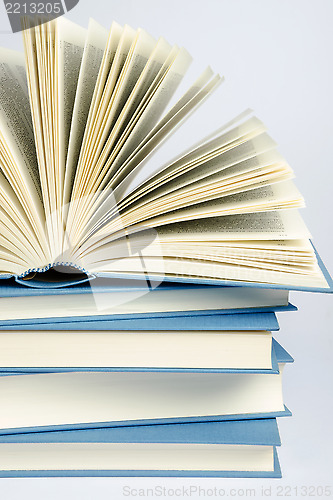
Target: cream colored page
{"x":242,"y":176}
{"x":168,"y":119}
{"x":11,"y":205}
{"x":135,"y":63}
{"x":16,"y":127}
{"x":12,"y":238}
{"x":70,"y":45}
{"x":268,"y":197}
{"x":113,"y":40}
{"x":295,"y":276}
{"x":132,"y":191}
{"x":92,"y":132}
{"x":92,"y":57}
{"x":155,"y":301}
{"x":69,"y":398}
{"x":97,"y":214}
{"x":90,"y":144}
{"x":161,"y":132}
{"x":121,"y":99}
{"x":220,"y":253}
{"x":44,"y":53}
{"x":135,"y":457}
{"x":43,"y":139}
{"x":137,"y":349}
{"x":202,"y":194}
{"x":264,"y":176}
{"x":228,"y":140}
{"x":155,"y":108}
{"x":144,"y":125}
{"x":259,"y":151}
{"x":161,"y":55}
{"x":279,"y":225}
{"x":155,"y":55}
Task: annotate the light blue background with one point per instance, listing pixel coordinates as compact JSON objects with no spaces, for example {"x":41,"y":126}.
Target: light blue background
{"x":276,"y":56}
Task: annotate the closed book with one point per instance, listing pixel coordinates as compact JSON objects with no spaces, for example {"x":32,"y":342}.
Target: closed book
{"x":79,"y":399}
{"x":244,"y":448}
{"x":137,"y":303}
{"x":170,"y":352}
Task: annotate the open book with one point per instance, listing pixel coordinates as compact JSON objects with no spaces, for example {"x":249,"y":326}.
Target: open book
{"x":80,"y":115}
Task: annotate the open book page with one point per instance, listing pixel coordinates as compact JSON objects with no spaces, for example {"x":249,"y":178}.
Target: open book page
{"x":42,"y":141}
{"x":271,"y":225}
{"x":70,"y":42}
{"x":156,"y":57}
{"x":134,"y":184}
{"x":247,"y":173}
{"x":192,"y":249}
{"x":109,"y":73}
{"x":91,"y":61}
{"x":95,"y":126}
{"x":160,"y":133}
{"x":207,"y":192}
{"x":219,"y":252}
{"x":101,"y":91}
{"x":279,"y":225}
{"x":18,"y":153}
{"x":200,"y":157}
{"x":149,"y":115}
{"x":255,"y":153}
{"x":192,"y":268}
{"x":187,"y":190}
{"x":53,"y":54}
{"x":11,"y":241}
{"x":152,"y":110}
{"x":120,"y":109}
{"x":21,"y":228}
{"x":267,"y":196}
{"x":105,"y":202}
{"x":275,"y":225}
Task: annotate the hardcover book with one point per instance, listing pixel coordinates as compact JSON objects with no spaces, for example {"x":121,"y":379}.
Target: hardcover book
{"x":203,"y":352}
{"x":69,"y":400}
{"x":81,"y":115}
{"x":245,"y":448}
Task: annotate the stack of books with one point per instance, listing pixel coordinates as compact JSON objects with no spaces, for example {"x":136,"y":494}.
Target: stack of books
{"x":137,"y":308}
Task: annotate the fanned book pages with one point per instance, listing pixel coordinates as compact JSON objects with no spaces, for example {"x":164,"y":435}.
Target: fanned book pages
{"x":81,"y":113}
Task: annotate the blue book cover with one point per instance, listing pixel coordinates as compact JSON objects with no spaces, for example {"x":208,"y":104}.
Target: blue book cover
{"x":138,"y":423}
{"x":220,"y":320}
{"x":251,"y":432}
{"x":260,"y":436}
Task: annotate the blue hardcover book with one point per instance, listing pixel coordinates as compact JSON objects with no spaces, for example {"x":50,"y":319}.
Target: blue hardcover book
{"x":137,"y":303}
{"x":74,"y":400}
{"x":234,"y":321}
{"x":243,"y":448}
{"x":198,"y":353}
{"x":82,"y":321}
